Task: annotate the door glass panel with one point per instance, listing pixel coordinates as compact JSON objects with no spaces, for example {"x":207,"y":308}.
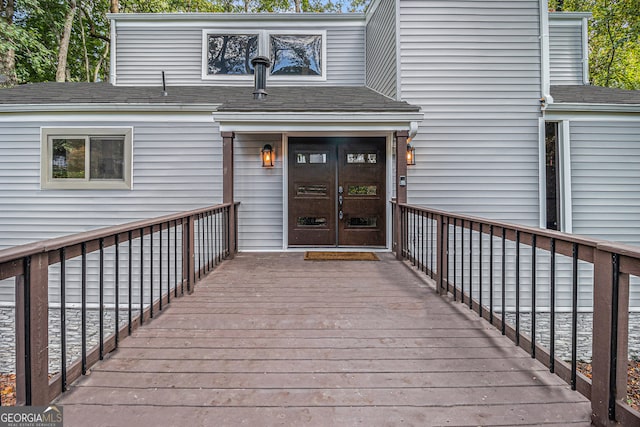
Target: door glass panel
{"x":362,"y":190}
{"x":370,"y":158}
{"x":362,"y":222}
{"x":312,"y":190}
{"x":318,"y":158}
{"x":302,"y":158}
{"x":312,"y":221}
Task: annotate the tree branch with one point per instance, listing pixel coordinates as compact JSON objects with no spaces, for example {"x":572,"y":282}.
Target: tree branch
{"x":92,"y":26}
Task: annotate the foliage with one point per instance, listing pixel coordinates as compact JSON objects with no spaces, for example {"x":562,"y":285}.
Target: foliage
{"x":34,"y":31}
{"x":614,"y":40}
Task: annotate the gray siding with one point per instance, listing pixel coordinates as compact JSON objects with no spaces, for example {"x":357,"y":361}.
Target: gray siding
{"x":381,"y":49}
{"x":565,"y":52}
{"x":474,"y":68}
{"x":605,"y":184}
{"x":176,"y":166}
{"x":259,"y":191}
{"x":143,"y":52}
{"x":605,"y":179}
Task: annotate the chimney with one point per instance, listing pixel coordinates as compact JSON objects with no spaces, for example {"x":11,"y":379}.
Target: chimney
{"x":260,"y":66}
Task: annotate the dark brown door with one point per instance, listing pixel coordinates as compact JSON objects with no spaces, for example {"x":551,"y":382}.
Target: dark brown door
{"x":337,"y":191}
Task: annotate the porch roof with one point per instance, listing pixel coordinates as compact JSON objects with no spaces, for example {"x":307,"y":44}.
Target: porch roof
{"x":66,"y":96}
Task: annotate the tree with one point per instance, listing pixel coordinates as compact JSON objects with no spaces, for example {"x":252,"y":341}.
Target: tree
{"x":69,"y":40}
{"x":7,"y":51}
{"x":63,"y":48}
{"x":614,"y":39}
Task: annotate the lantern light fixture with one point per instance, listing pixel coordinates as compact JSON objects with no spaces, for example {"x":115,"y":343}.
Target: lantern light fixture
{"x":411,"y":155}
{"x":267,"y":154}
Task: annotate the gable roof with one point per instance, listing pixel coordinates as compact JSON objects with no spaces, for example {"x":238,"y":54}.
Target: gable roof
{"x":50,"y":96}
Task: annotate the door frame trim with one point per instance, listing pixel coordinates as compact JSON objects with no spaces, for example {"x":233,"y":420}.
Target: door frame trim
{"x":389,"y":172}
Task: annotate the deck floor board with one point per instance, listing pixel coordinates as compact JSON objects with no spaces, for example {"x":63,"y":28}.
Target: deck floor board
{"x":270,"y":339}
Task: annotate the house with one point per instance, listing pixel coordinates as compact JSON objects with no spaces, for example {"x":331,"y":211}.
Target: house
{"x":492,"y":96}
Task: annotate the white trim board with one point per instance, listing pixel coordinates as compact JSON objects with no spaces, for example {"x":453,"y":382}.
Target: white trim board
{"x":121,"y":117}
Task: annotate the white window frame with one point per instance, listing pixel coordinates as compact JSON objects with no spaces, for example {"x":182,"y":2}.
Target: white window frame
{"x":46,"y":158}
{"x":205,"y":53}
{"x":264,"y":49}
{"x":267,"y":51}
{"x":565,"y":216}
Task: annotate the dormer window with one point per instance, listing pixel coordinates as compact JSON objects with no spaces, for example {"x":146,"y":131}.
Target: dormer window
{"x":296,"y":55}
{"x":231,"y":53}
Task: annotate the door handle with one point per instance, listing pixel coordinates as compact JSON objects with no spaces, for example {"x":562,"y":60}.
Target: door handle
{"x":340,"y":199}
{"x":340,"y":215}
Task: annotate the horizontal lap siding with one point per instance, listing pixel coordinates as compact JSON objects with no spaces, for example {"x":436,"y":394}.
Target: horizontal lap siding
{"x":565,"y":54}
{"x":605,"y":175}
{"x":176,"y":167}
{"x":259,"y":191}
{"x":474,"y":68}
{"x":605,"y":184}
{"x":143,"y":52}
{"x":381,"y":49}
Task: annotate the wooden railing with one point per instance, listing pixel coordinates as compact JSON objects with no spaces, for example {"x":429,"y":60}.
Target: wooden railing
{"x":148,"y":263}
{"x":492,"y":265}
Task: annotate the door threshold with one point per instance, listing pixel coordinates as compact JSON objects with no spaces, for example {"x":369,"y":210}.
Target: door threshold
{"x":337,"y":249}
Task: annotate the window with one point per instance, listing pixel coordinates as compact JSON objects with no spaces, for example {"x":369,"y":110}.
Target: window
{"x":231,"y":54}
{"x":86,"y":158}
{"x":299,"y":55}
{"x":552,"y":173}
{"x":227,"y":55}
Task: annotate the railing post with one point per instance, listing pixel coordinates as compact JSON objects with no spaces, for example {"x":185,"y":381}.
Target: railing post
{"x":610,"y":327}
{"x":231,"y":232}
{"x":188,"y":253}
{"x":398,"y":229}
{"x":401,"y":188}
{"x":228,"y":189}
{"x":442,"y":251}
{"x":32,"y":332}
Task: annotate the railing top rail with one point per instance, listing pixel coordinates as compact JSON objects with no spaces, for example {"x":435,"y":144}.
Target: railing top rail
{"x":18,"y":252}
{"x":619,"y":248}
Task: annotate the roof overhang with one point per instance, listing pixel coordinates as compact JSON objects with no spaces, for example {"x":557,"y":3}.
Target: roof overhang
{"x":218,"y":19}
{"x":570,"y":16}
{"x":254,"y":122}
{"x":106,"y":107}
{"x":592,"y":108}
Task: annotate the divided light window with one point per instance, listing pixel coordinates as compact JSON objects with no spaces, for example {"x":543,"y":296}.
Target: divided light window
{"x":231,"y":54}
{"x":298,"y":55}
{"x":77,"y":160}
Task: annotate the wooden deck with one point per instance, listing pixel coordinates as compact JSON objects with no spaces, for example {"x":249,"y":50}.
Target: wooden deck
{"x":270,"y":339}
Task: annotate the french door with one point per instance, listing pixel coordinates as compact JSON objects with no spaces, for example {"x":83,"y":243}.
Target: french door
{"x":337,"y":191}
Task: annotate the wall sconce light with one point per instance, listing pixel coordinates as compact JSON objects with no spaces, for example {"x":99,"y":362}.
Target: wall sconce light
{"x":267,"y":153}
{"x":411,"y":155}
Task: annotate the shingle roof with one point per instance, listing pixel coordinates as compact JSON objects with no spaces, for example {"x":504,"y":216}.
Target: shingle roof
{"x":594,"y":95}
{"x":280,"y":99}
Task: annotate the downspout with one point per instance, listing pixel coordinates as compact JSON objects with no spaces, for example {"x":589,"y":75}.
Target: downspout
{"x":545,"y":99}
{"x":398,"y":53}
{"x":112,"y":59}
{"x":545,"y":78}
{"x":585,"y":51}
